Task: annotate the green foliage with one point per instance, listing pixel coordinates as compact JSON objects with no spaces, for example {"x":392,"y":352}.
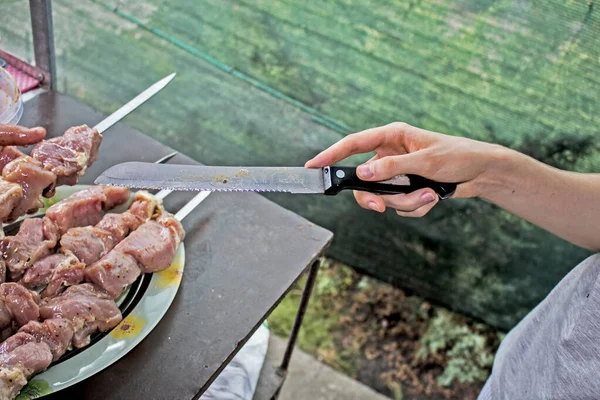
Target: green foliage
{"x":397,"y":392}
{"x":315,"y":336}
{"x":467,"y":351}
{"x":34,"y":389}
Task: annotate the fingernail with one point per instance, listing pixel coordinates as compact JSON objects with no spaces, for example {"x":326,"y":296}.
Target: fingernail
{"x":373,"y":206}
{"x":364,"y":171}
{"x":428,"y":198}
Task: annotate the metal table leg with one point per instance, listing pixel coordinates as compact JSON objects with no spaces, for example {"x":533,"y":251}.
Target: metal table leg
{"x":306,"y":293}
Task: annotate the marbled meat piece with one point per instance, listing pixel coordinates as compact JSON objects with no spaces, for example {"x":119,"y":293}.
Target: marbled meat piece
{"x":113,"y":273}
{"x":69,"y":155}
{"x":153,"y":245}
{"x":9,"y":153}
{"x":57,"y":333}
{"x":169,"y":221}
{"x":33,"y":179}
{"x":67,"y":273}
{"x":21,"y":303}
{"x":31,"y":357}
{"x":40,"y":272}
{"x":6,"y":326}
{"x":10,"y":195}
{"x":85,"y":207}
{"x":36,"y":239}
{"x":90,"y":243}
{"x":16,"y":340}
{"x":145,"y":206}
{"x":87,"y":308}
{"x":150,"y":248}
{"x":21,"y":356}
{"x":54,"y":273}
{"x":30,"y":351}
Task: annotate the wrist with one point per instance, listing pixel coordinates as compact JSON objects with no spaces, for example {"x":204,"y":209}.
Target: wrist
{"x":500,"y":172}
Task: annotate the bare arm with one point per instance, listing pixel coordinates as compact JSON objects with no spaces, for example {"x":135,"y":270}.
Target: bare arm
{"x":564,"y":203}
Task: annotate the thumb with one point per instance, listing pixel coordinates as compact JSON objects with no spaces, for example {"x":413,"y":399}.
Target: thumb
{"x":390,"y":166}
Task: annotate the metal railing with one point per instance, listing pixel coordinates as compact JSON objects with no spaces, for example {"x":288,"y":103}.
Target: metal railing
{"x":43,"y":40}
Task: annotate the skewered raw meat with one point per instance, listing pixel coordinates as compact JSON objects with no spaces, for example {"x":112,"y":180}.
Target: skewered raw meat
{"x":69,"y":155}
{"x":21,"y":356}
{"x":38,"y":276}
{"x":57,"y":161}
{"x":10,"y":195}
{"x":90,"y":243}
{"x":5,"y":321}
{"x":9,"y":153}
{"x":85,"y":207}
{"x":67,"y":273}
{"x":88,"y":308}
{"x":38,"y":236}
{"x":57,"y":333}
{"x":83,"y":246}
{"x":70,"y":318}
{"x":150,"y":248}
{"x":33,"y":179}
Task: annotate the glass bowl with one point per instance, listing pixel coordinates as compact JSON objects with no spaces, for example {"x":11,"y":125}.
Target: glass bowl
{"x":11,"y":102}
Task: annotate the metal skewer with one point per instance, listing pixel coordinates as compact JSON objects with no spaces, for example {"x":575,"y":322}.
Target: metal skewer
{"x":190,"y":205}
{"x":133,"y":104}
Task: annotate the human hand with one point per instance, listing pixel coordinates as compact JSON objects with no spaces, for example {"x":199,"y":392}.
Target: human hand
{"x":403,"y":149}
{"x":14,"y":135}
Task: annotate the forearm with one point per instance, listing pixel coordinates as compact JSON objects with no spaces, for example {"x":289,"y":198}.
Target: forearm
{"x":564,"y":203}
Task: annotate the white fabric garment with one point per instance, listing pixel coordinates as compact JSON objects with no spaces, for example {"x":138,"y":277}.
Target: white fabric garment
{"x":239,"y":378}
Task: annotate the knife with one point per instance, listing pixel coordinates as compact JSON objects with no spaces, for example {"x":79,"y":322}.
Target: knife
{"x":328,"y":180}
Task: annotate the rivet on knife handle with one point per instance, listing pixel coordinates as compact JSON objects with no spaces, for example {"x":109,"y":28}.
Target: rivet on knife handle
{"x":345,"y":178}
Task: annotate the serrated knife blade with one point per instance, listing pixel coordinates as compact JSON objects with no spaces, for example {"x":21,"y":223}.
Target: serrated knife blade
{"x":142,"y":175}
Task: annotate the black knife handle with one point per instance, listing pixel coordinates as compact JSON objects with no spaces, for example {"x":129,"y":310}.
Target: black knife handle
{"x":344,"y":178}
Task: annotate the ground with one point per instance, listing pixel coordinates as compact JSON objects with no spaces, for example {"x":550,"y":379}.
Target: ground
{"x":398,"y":344}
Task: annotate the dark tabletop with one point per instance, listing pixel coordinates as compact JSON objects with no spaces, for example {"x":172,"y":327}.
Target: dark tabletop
{"x":243,"y":253}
